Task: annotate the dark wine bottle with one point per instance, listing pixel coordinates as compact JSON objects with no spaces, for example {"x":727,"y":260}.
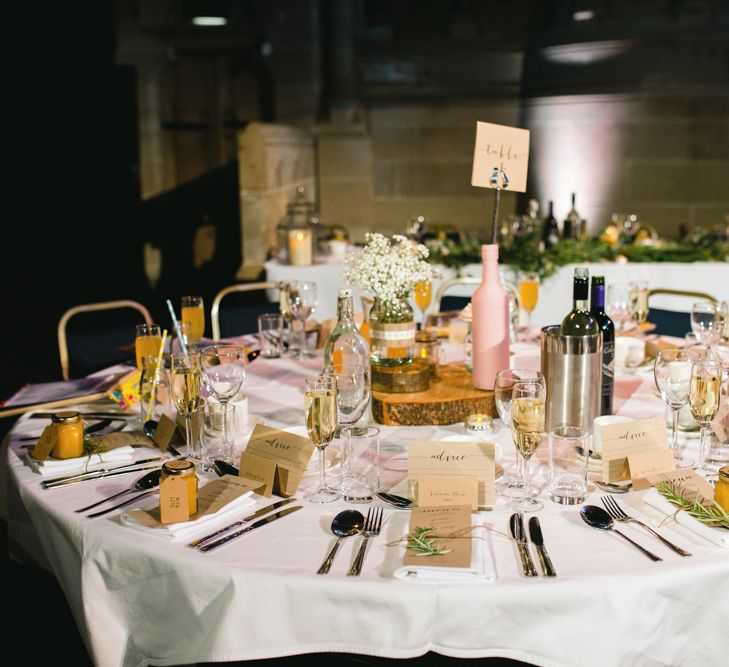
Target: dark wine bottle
{"x":605,"y":325}
{"x":550,"y":228}
{"x":579,"y":321}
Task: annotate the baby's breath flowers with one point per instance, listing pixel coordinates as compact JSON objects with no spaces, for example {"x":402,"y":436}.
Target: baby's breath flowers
{"x":389,"y":268}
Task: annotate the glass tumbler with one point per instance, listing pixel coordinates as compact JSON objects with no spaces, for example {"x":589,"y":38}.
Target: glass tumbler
{"x":569,"y":447}
{"x":360,"y":463}
{"x":270,"y":333}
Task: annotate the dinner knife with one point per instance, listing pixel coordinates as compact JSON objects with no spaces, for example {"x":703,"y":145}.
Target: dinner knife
{"x":516,"y":525}
{"x":144,"y":464}
{"x":85,"y":415}
{"x":255,"y":515}
{"x":535,"y":534}
{"x":261,"y":522}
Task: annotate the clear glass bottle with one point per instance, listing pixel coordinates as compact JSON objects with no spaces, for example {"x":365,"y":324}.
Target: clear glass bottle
{"x":579,"y":321}
{"x":346,"y":345}
{"x":392,"y":332}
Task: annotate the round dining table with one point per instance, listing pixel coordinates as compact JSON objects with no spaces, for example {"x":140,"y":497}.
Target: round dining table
{"x":139,"y":599}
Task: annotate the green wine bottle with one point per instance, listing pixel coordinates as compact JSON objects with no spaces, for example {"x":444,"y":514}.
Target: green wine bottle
{"x":579,"y":321}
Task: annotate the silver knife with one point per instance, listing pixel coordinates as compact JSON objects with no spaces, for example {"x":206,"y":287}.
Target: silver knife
{"x":144,"y":464}
{"x":261,"y":522}
{"x":535,"y":534}
{"x":255,"y":515}
{"x":86,"y":415}
{"x":516,"y":525}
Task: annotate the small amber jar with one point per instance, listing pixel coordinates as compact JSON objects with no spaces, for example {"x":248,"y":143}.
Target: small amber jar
{"x":70,"y":435}
{"x":186,"y":470}
{"x":721,"y":491}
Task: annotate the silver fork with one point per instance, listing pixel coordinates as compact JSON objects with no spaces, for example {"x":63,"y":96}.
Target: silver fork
{"x":372,"y":526}
{"x":617,"y":513}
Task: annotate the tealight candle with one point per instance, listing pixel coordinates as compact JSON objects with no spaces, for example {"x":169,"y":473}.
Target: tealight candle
{"x":479,"y":423}
{"x":300,"y":247}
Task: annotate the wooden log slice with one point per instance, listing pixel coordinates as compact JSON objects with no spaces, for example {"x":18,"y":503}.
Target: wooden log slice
{"x":450,"y":398}
{"x":402,"y":379}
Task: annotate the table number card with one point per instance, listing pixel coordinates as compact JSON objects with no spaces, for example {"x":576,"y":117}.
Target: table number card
{"x":454,"y":520}
{"x":502,"y":147}
{"x":619,"y":441}
{"x":277,"y":459}
{"x":467,"y":458}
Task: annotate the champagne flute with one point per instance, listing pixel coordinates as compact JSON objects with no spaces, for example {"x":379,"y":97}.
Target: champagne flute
{"x":672,"y":372}
{"x":302,"y":300}
{"x":529,"y":294}
{"x":320,"y":407}
{"x":223,"y":368}
{"x":527,"y":431}
{"x":503,"y":386}
{"x":704,"y":398}
{"x":423,"y":295}
{"x":193,"y":312}
{"x":147,"y":340}
{"x":185,"y":389}
{"x":618,"y":304}
{"x":639,"y":301}
{"x":706,"y":322}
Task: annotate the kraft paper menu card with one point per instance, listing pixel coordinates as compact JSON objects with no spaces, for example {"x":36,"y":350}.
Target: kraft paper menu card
{"x":629,"y":438}
{"x":466,"y":458}
{"x":277,"y":459}
{"x":689,"y":480}
{"x":504,"y":148}
{"x":446,"y":490}
{"x":454,"y":521}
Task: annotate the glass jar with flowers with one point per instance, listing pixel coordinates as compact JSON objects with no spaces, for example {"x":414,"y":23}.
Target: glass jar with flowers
{"x":389,"y":268}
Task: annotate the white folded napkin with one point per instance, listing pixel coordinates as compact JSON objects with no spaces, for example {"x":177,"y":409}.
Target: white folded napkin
{"x":481,"y":569}
{"x":714,"y":534}
{"x":196,"y":528}
{"x":82,"y":463}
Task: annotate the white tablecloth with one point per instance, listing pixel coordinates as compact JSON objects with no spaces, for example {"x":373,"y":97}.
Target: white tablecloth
{"x":143,"y":600}
{"x":555,"y":293}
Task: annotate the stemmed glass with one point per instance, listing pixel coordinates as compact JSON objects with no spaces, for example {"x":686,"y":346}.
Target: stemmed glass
{"x":423,"y":295}
{"x":527,"y":431}
{"x":503,"y":386}
{"x":302,"y":301}
{"x":529,"y":294}
{"x":672,"y":373}
{"x":223,"y":368}
{"x":185,"y":390}
{"x":706,"y":322}
{"x":618,"y":304}
{"x":639,"y":301}
{"x":704,"y":398}
{"x":320,"y":407}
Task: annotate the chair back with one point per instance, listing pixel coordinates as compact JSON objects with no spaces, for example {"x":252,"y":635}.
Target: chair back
{"x":674,"y":322}
{"x":103,"y":341}
{"x":249,"y":314}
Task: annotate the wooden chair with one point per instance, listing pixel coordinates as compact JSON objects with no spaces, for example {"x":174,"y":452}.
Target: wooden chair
{"x":108,"y":353}
{"x":674,"y":322}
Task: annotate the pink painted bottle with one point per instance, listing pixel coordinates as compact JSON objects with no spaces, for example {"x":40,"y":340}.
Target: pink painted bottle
{"x":490,"y":322}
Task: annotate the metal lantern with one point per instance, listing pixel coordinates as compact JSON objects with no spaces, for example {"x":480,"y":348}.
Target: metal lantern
{"x":297,"y":232}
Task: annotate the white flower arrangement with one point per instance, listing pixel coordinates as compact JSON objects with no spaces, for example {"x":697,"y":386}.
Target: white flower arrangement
{"x":389,"y":268}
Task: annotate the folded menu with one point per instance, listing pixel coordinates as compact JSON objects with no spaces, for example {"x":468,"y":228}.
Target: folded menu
{"x":88,"y":462}
{"x":715,"y":534}
{"x":468,"y":559}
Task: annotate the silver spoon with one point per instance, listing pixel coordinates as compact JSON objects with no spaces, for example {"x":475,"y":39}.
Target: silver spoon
{"x":148,"y":481}
{"x":396,"y":501}
{"x":597,"y":517}
{"x":345,"y":524}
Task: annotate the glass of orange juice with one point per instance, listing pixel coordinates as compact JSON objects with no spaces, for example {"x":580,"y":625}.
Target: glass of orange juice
{"x":147,"y":341}
{"x":529,"y":294}
{"x":423,"y":295}
{"x":194,"y":313}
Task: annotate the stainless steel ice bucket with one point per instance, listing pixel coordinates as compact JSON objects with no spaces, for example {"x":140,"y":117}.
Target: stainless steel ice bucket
{"x":572,"y":367}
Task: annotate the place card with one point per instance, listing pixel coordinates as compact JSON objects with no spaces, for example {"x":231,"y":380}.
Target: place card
{"x":451,"y":530}
{"x":166,"y":432}
{"x":619,"y":440}
{"x":446,"y":490}
{"x":651,"y":462}
{"x":720,"y":424}
{"x":689,"y":480}
{"x":502,"y":147}
{"x":464,"y":458}
{"x":173,"y":502}
{"x":46,"y":443}
{"x":277,"y":459}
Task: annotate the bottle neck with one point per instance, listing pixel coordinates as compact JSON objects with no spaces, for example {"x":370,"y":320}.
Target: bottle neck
{"x":490,"y":260}
{"x":597,"y":298}
{"x":345,"y":309}
{"x":579,"y":295}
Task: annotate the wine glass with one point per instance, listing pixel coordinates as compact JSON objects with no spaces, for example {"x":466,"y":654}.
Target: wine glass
{"x":527,"y":430}
{"x":503,"y":385}
{"x":618,"y":304}
{"x":423,"y":296}
{"x":639,"y":301}
{"x":185,"y":389}
{"x":320,"y":407}
{"x":529,"y":294}
{"x":223,"y":368}
{"x":706,"y":322}
{"x":672,"y":373}
{"x":193,"y":312}
{"x":704,"y":398}
{"x":302,"y":301}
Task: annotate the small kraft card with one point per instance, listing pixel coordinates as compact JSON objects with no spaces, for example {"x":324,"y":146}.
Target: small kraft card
{"x":690,"y":482}
{"x":472,"y":459}
{"x":502,"y":148}
{"x":635,"y":449}
{"x":451,"y":531}
{"x":167,"y":433}
{"x":277,"y":459}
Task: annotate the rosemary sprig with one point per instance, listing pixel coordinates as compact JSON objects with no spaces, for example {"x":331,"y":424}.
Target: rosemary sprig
{"x":423,"y":545}
{"x":706,"y":510}
{"x":92,"y":447}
